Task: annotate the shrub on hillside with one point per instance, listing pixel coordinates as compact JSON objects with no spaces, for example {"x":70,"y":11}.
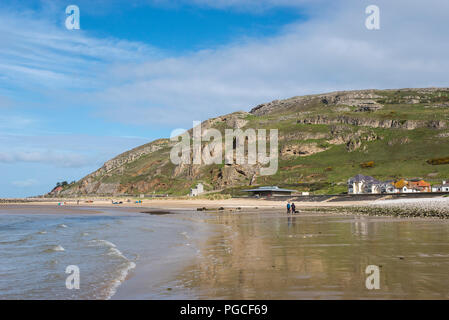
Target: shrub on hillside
{"x":368,"y":164}
{"x":437,"y":161}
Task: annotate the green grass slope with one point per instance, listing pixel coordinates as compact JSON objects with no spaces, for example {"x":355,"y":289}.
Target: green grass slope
{"x":387,"y":134}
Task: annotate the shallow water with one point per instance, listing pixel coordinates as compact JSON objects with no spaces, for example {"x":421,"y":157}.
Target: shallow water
{"x":272,"y":256}
{"x":125,"y":254}
{"x":36,"y":247}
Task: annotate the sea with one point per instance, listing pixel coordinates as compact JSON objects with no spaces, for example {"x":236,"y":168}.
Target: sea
{"x":44,"y":255}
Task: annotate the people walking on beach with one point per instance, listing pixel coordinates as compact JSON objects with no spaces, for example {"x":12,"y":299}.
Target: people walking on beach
{"x":293,"y":207}
{"x":288,"y":207}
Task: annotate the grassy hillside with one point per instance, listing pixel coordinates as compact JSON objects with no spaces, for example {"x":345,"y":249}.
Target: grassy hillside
{"x":323,"y":140}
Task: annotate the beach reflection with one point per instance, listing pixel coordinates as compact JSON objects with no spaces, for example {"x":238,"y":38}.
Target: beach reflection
{"x":275,"y":256}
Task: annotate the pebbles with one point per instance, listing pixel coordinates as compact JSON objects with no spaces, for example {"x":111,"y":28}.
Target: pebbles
{"x":404,"y":211}
{"x":436,"y":207}
{"x":404,"y":208}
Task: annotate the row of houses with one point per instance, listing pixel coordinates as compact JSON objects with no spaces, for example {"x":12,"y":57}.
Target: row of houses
{"x":366,"y":184}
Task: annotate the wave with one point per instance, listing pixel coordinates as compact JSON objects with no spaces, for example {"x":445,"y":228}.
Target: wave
{"x":124,"y":268}
{"x":123,"y":273}
{"x":146,"y":229}
{"x":62,"y":226}
{"x":103,"y":242}
{"x":185,"y":234}
{"x":57,"y":248}
{"x":21,"y":240}
{"x":116,"y":252}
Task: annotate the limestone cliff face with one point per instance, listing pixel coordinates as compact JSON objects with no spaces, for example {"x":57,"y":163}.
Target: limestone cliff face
{"x":348,"y":98}
{"x":345,"y":124}
{"x":129,"y":156}
{"x":375,"y":123}
{"x":358,"y":98}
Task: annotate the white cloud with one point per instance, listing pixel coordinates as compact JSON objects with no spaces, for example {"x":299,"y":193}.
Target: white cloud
{"x":25,"y":183}
{"x":36,"y":53}
{"x":133,"y":83}
{"x":56,"y":158}
{"x":331,"y":52}
{"x":62,"y":150}
{"x":8,"y":122}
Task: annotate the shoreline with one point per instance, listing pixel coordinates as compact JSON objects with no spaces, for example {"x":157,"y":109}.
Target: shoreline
{"x":403,"y":208}
{"x":180,"y":204}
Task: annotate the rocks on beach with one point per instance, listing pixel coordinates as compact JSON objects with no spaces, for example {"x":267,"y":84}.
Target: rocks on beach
{"x":404,"y":208}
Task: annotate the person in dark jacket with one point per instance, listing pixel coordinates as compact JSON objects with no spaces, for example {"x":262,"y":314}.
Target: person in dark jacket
{"x":293,"y":208}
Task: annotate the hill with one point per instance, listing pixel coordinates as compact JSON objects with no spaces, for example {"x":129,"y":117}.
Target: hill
{"x":323,"y":140}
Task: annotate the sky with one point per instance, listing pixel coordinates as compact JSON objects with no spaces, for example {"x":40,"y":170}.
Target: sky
{"x":136,"y":70}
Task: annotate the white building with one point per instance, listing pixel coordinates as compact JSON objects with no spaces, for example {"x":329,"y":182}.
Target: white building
{"x":197,"y":191}
{"x":406,"y":190}
{"x":364,"y":184}
{"x":441,"y":187}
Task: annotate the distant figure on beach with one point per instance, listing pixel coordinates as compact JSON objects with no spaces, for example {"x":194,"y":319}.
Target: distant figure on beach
{"x":288,"y":207}
{"x":293,"y":207}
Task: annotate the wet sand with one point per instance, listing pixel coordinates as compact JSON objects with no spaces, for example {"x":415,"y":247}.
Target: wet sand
{"x":269,"y":255}
{"x":47,"y":209}
{"x":180,"y":204}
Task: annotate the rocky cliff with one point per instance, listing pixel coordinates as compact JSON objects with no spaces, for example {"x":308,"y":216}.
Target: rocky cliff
{"x":322,"y":141}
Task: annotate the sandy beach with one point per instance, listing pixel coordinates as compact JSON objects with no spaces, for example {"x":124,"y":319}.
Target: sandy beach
{"x":168,"y":203}
{"x":245,"y":253}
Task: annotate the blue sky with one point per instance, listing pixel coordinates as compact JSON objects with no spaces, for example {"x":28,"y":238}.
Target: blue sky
{"x":136,"y":70}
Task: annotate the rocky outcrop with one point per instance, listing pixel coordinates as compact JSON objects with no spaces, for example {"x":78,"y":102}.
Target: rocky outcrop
{"x":353,"y":144}
{"x":301,"y":150}
{"x":361,"y":99}
{"x":370,"y":107}
{"x":231,"y":175}
{"x":352,"y":139}
{"x":300,"y":135}
{"x":130,"y":156}
{"x":107,"y":188}
{"x":443,"y":135}
{"x":374,"y":123}
{"x":234,"y":120}
{"x":400,"y":141}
